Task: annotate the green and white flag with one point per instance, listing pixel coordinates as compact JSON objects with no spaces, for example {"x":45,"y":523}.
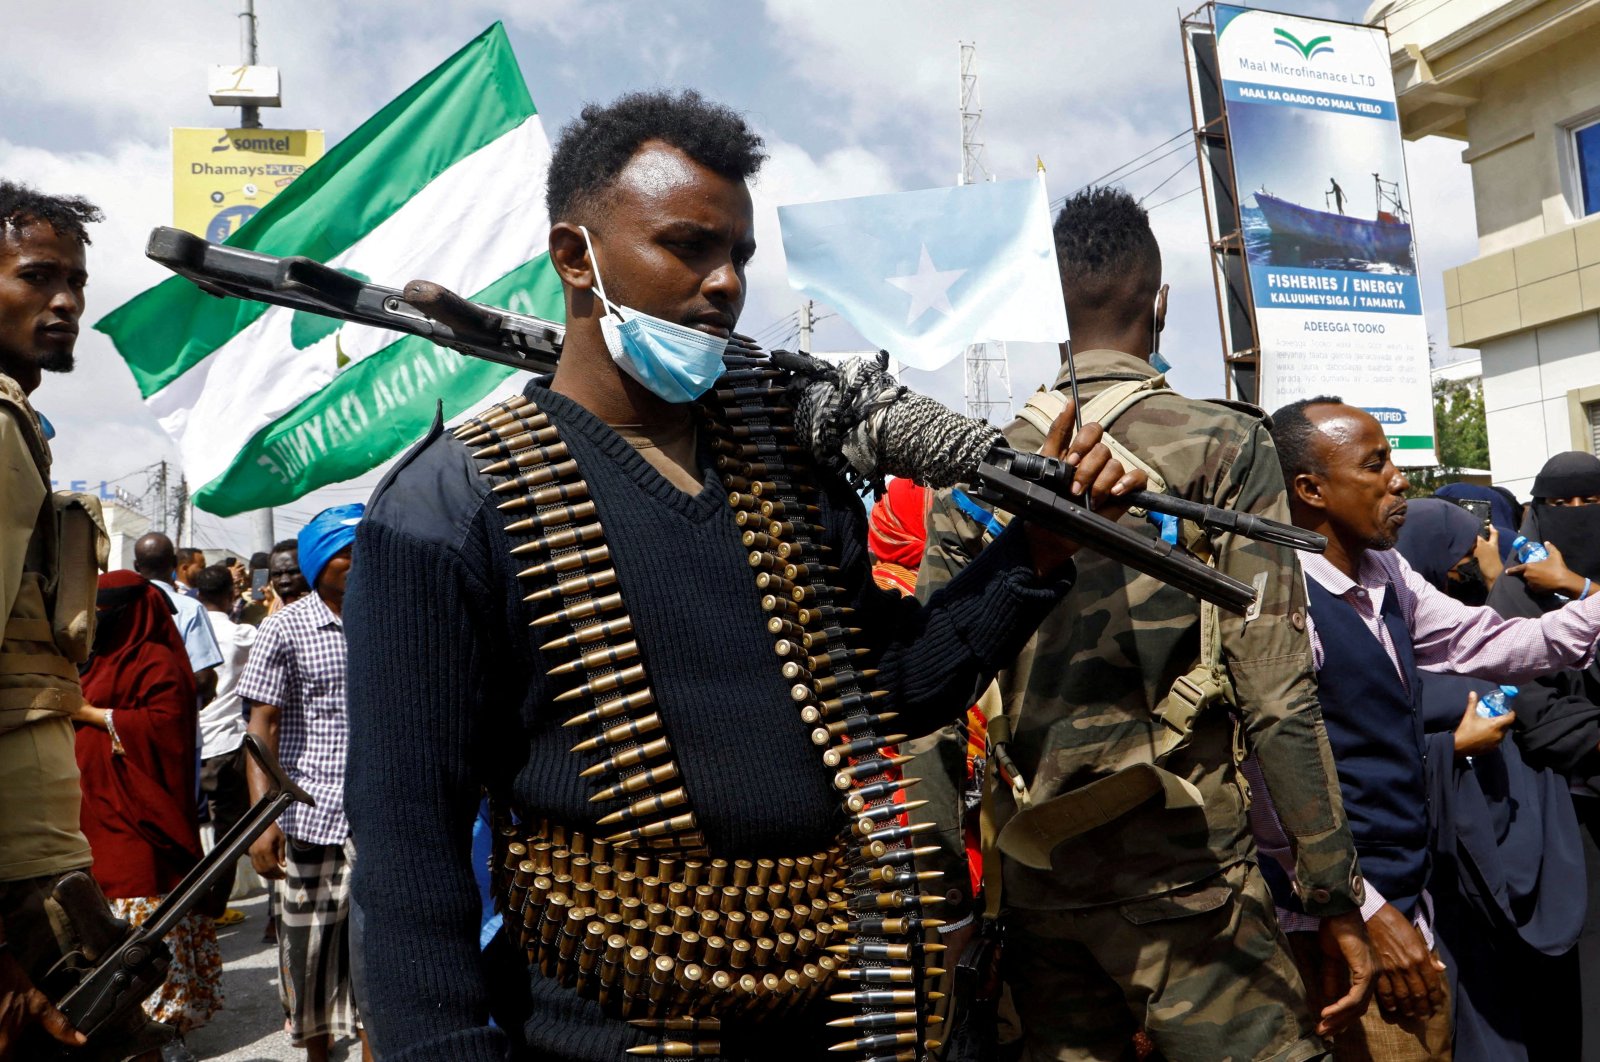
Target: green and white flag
{"x":266,"y":403}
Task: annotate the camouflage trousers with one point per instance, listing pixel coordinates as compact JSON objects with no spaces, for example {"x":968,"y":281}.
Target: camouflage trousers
{"x":1204,"y":971}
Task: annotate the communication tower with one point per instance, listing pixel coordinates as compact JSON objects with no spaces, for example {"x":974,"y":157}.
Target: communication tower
{"x":988,"y":373}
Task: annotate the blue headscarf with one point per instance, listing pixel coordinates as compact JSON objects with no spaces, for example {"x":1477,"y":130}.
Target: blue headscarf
{"x":328,"y":532}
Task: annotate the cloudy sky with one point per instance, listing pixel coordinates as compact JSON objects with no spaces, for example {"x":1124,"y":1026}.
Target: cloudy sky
{"x":853,"y":98}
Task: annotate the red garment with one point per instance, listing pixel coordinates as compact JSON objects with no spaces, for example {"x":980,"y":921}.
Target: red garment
{"x":897,"y":532}
{"x":139,"y":803}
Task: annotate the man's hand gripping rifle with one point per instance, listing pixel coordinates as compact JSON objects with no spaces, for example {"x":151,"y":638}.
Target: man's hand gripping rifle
{"x":856,"y":418}
{"x":101,"y":988}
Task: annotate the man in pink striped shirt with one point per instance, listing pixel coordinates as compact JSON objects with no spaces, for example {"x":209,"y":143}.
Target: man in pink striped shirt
{"x":1374,"y":623}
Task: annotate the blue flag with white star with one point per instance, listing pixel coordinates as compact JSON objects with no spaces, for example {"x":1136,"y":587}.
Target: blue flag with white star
{"x":925,"y":274}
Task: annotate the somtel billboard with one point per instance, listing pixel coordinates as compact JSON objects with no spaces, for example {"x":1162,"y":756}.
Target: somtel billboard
{"x":220,"y":177}
{"x":1324,"y":212}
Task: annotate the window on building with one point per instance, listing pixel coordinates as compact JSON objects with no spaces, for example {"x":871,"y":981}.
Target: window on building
{"x":1586,"y":149}
{"x":1592,"y":411}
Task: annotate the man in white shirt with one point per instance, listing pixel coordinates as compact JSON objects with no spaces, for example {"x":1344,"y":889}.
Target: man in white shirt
{"x":222,"y":725}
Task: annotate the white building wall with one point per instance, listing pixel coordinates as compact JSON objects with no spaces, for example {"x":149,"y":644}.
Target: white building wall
{"x":1526,"y":378}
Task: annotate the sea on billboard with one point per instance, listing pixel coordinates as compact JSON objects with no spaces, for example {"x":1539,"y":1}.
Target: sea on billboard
{"x":1325,"y":215}
{"x":221,"y":177}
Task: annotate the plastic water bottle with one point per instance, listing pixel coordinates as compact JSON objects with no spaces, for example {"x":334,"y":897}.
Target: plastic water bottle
{"x":1528,"y":552}
{"x":1493,"y":705}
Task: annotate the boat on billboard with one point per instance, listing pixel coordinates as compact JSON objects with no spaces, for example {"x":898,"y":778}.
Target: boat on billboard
{"x":1324,"y":212}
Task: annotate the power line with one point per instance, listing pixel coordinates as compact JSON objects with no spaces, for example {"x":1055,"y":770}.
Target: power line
{"x":1184,"y":167}
{"x":1116,"y":171}
{"x":1172,"y":199}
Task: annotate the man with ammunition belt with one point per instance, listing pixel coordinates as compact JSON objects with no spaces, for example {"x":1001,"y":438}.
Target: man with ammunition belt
{"x":643,"y":661}
{"x":1125,"y":870}
{"x":47,"y":590}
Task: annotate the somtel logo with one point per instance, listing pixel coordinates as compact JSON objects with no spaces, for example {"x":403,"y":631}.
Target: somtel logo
{"x":279,"y":143}
{"x":1310,"y":49}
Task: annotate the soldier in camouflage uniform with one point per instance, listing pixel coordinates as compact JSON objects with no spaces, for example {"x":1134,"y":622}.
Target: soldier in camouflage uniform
{"x":1158,"y":919}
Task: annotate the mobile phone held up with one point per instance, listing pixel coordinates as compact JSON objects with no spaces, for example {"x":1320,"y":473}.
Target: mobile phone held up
{"x":258,"y":584}
{"x":1479,"y":508}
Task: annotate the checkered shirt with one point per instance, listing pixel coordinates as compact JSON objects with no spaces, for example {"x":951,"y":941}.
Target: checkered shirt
{"x":298,"y":665}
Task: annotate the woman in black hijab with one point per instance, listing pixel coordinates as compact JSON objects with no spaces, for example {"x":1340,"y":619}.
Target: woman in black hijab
{"x":1558,"y":717}
{"x":1507,"y":879}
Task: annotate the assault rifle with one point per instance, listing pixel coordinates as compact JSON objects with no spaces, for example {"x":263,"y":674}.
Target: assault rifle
{"x":102,"y":987}
{"x":1025,"y":484}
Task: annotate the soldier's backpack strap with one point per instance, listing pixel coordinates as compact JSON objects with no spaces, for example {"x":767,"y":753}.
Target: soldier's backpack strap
{"x":1035,"y":830}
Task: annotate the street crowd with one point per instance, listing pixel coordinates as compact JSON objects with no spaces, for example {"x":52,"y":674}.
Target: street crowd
{"x":1357,"y":821}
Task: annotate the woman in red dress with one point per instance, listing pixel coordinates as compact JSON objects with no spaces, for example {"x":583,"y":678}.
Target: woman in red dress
{"x":136,"y":739}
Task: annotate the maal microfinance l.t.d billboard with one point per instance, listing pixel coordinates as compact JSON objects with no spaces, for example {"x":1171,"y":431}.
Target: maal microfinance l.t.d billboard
{"x":1326,"y":218}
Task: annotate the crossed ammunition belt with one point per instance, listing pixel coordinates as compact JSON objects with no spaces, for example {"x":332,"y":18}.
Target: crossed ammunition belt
{"x":659,"y":937}
{"x":643,"y":919}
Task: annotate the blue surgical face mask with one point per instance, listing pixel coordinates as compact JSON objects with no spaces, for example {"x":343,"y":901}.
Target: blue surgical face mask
{"x":677,"y":363}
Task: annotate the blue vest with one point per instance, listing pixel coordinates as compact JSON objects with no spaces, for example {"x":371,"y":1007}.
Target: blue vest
{"x":1375,"y":728}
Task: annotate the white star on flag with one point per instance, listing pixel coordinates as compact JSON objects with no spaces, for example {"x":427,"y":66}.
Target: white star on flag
{"x":992,"y":238}
{"x":928,"y":287}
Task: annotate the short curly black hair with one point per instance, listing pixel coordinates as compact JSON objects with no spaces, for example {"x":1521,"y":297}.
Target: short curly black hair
{"x":1292,"y":432}
{"x":593,"y":148}
{"x":1103,"y":238}
{"x":67,"y":214}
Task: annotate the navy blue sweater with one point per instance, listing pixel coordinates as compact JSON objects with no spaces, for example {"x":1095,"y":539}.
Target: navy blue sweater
{"x":448,"y":692}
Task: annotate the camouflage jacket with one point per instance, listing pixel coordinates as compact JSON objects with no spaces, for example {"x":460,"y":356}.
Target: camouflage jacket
{"x":1082,"y":692}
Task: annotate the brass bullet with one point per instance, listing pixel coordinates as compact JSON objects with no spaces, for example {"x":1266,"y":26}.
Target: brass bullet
{"x":851,"y":725}
{"x":678,"y":1049}
{"x":676,"y":824}
{"x":883,"y":997}
{"x":613,"y":708}
{"x":594,"y":659}
{"x":567,"y":562}
{"x":592,"y":633}
{"x":851,"y":701}
{"x":890,"y":834}
{"x":678,"y":1024}
{"x":650,"y":805}
{"x":573,"y":491}
{"x":846,"y":776}
{"x":890,"y":901}
{"x":828,"y":683}
{"x":761,"y":559}
{"x":539,"y":455}
{"x":839,"y":753}
{"x":745,"y":431}
{"x":627,"y":758}
{"x":556,"y":473}
{"x":603,"y":684}
{"x":636,"y":782}
{"x":824,"y":614}
{"x":881,"y":815}
{"x":577,"y":584}
{"x":886,"y":952}
{"x":536,"y":431}
{"x":769,"y":582}
{"x":867,"y":794}
{"x":900,"y":975}
{"x":626,"y":730}
{"x":570,"y":535}
{"x":900,"y":856}
{"x":874,"y":1043}
{"x":585,"y":610}
{"x":873,"y":925}
{"x":886,"y":1020}
{"x":557,"y":517}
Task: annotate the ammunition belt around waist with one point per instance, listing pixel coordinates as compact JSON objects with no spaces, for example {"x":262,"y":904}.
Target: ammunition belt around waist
{"x":653,"y":936}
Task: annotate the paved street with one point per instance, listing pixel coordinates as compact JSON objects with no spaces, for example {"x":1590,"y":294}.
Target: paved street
{"x":250,"y":1026}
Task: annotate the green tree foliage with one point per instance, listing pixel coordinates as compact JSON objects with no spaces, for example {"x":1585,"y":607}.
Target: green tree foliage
{"x":1461,"y":440}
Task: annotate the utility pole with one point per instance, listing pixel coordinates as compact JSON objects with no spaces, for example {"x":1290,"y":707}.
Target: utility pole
{"x":988,"y":370}
{"x":159,"y":516}
{"x":261,"y":530}
{"x":249,"y":116}
{"x":805,"y":327}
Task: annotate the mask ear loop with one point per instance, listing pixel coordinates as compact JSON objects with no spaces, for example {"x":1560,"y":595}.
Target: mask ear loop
{"x":600,"y":285}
